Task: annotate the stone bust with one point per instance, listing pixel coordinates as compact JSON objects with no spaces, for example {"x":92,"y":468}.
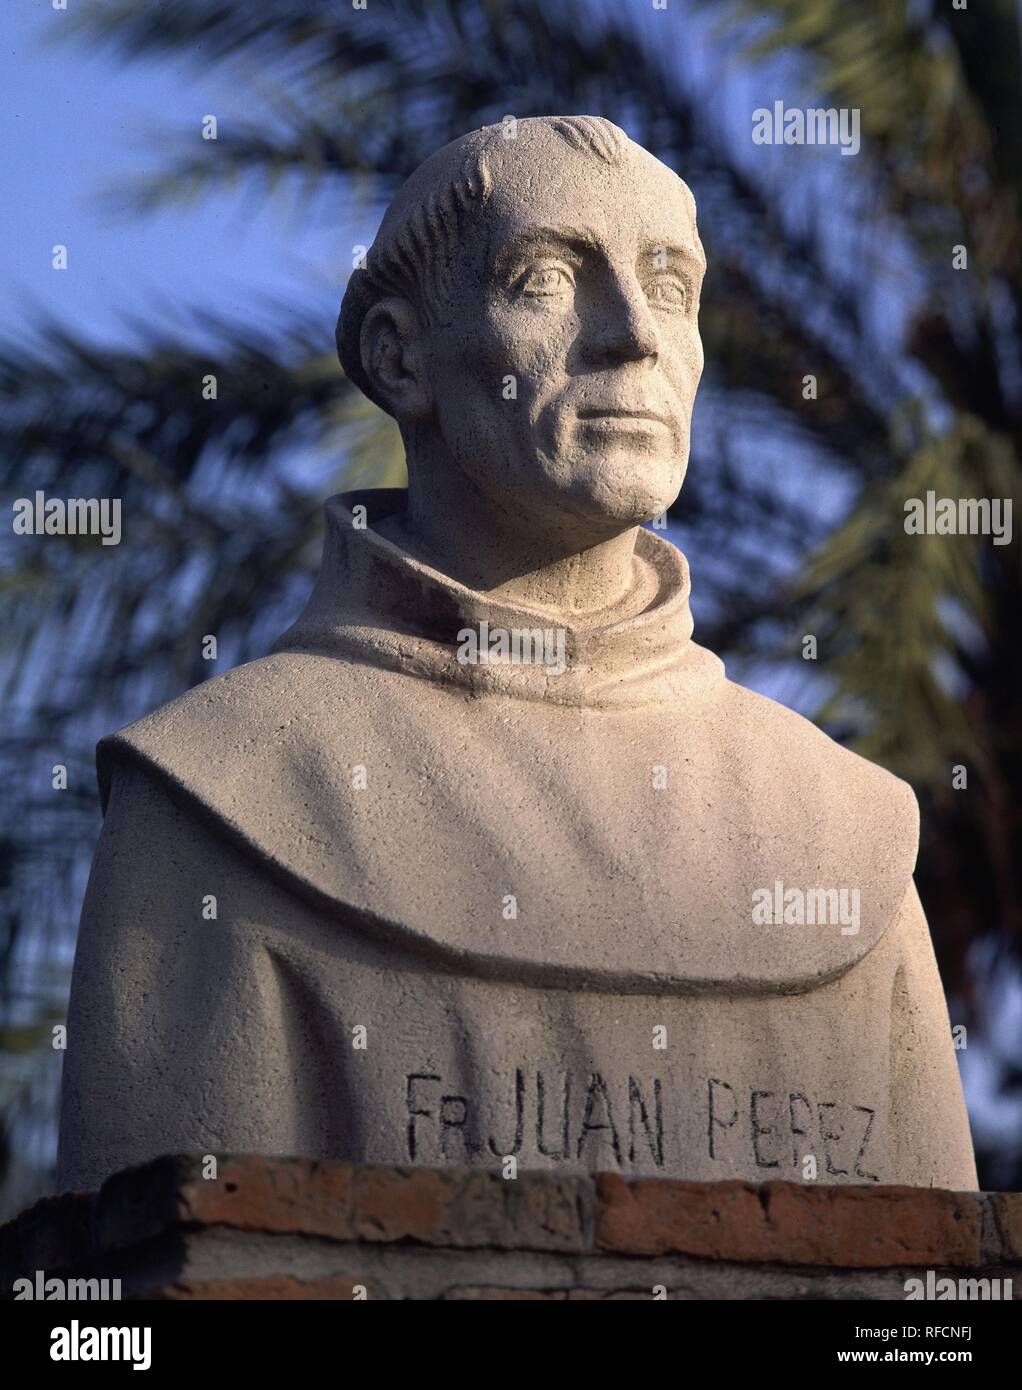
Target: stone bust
{"x":488,"y":859}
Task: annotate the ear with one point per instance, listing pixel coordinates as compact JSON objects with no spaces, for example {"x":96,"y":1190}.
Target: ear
{"x":392,"y":348}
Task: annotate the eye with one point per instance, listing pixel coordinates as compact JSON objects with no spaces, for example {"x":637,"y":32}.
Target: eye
{"x":546,"y":281}
{"x":668,"y":292}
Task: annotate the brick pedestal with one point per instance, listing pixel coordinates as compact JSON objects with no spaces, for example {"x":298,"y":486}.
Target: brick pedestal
{"x":294,"y":1228}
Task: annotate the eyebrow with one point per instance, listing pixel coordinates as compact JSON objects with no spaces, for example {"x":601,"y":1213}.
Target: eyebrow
{"x":584,"y":239}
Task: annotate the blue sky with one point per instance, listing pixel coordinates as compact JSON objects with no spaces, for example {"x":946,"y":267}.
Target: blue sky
{"x":79,"y":123}
{"x":76,"y":124}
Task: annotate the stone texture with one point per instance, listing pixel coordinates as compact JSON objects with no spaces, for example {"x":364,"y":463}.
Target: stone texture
{"x":505,"y":1295}
{"x":275,"y":1287}
{"x":378,"y":898}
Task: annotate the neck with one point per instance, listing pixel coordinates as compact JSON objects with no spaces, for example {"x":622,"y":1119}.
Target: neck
{"x":575,"y":575}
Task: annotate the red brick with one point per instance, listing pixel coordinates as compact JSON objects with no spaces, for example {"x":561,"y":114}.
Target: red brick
{"x":293,"y":1196}
{"x":342,"y":1202}
{"x":468,"y":1209}
{"x":866,"y":1228}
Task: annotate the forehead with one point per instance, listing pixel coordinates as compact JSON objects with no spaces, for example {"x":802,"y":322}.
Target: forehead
{"x":554,"y":191}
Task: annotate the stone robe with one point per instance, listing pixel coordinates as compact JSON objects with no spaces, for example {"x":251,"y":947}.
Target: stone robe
{"x":468,"y":912}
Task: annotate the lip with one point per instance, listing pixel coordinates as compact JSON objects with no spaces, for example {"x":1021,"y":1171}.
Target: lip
{"x":615,"y":417}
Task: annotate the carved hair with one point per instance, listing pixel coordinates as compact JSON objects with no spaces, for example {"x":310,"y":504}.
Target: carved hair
{"x":416,"y":258}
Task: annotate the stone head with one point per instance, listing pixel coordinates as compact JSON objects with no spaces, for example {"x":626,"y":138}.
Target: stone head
{"x":528,"y":315}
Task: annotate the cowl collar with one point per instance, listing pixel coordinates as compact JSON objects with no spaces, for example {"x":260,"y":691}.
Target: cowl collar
{"x":375,"y":603}
{"x":633,"y":827}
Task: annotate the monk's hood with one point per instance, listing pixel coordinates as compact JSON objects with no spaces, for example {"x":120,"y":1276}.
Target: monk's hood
{"x":595,"y":809}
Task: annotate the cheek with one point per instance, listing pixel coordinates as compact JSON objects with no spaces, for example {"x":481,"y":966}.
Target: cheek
{"x":479,"y":413}
{"x":532,"y":347}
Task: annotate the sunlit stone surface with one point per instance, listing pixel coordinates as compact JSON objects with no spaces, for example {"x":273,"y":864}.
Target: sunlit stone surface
{"x":489,"y":861}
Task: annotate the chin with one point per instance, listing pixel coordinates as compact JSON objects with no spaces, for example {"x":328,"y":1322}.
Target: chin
{"x":630,"y":494}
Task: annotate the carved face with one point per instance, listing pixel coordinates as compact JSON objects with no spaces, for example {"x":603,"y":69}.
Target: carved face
{"x":564,"y":377}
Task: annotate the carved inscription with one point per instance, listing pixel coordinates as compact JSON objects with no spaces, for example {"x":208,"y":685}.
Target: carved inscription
{"x":784,"y":1126}
{"x":637,"y":1123}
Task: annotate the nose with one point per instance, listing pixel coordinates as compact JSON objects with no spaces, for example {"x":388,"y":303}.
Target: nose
{"x":623,"y":327}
